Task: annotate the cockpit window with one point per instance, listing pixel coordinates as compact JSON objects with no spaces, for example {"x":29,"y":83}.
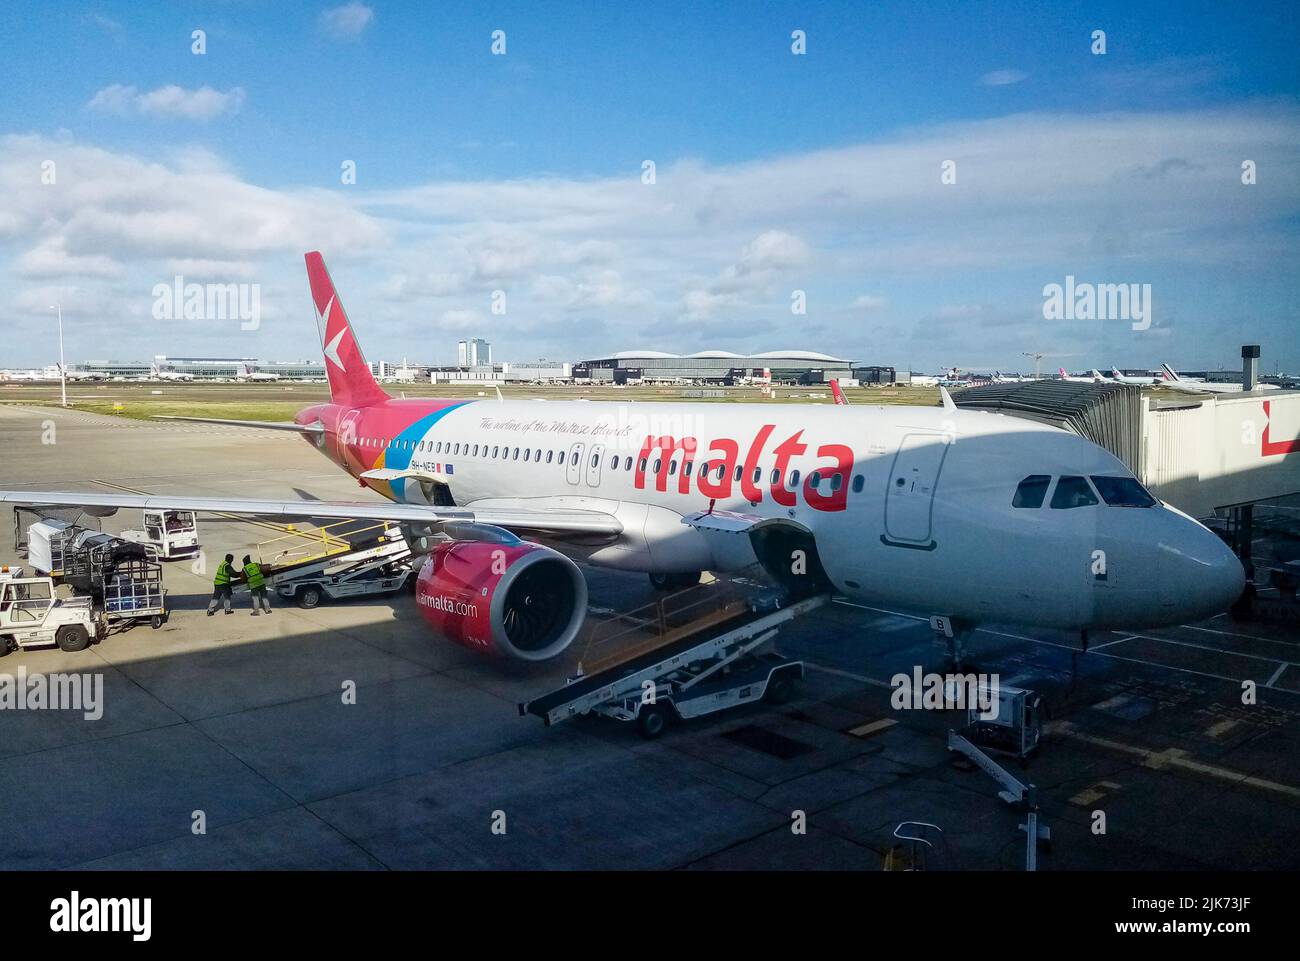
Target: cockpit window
{"x":1072,"y":492}
{"x":1031,"y":491}
{"x":1122,"y":492}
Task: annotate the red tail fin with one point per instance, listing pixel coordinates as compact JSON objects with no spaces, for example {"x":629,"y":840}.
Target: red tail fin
{"x":351,"y":383}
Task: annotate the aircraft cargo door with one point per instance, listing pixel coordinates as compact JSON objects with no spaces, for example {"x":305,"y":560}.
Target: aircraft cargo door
{"x":909,"y":500}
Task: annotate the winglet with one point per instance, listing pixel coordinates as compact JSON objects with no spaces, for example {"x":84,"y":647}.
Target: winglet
{"x":499,"y":397}
{"x":840,"y":399}
{"x":946,"y":398}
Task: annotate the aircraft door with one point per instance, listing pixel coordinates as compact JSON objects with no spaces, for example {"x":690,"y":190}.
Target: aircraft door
{"x":909,"y":499}
{"x":347,"y":434}
{"x":594,"y":460}
{"x":575,"y":464}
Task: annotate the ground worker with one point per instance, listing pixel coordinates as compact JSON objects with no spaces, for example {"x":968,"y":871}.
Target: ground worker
{"x":221,"y":587}
{"x":256,"y":585}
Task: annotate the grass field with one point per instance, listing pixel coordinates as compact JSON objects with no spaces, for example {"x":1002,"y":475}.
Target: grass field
{"x":279,"y":402}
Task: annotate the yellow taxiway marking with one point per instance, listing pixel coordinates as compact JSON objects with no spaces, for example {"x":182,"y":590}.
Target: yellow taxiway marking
{"x":1220,"y":727}
{"x":1175,"y":758}
{"x":1091,"y":795}
{"x":873,"y":727}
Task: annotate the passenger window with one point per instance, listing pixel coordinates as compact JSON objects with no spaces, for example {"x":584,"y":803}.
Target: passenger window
{"x":550,"y":456}
{"x":658,"y":464}
{"x":794,"y":479}
{"x":573,"y":459}
{"x":722,"y":470}
{"x":739,"y":469}
{"x":613,"y":463}
{"x":495,"y":450}
{"x":439,"y":449}
{"x":686,"y":468}
{"x":672,"y":467}
{"x":758,"y":474}
{"x":815,"y":479}
{"x":527,"y":453}
{"x":475,"y":454}
{"x":857,"y":484}
{"x":1122,"y":492}
{"x":516,"y":454}
{"x":1072,"y":492}
{"x":837,"y":481}
{"x":1031,"y":491}
{"x":595,"y":460}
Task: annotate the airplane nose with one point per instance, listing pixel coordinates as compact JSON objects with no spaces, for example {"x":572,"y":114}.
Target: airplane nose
{"x":1199,"y":573}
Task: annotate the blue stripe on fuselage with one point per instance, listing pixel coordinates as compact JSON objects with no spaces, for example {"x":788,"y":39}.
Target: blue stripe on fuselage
{"x":399,"y":458}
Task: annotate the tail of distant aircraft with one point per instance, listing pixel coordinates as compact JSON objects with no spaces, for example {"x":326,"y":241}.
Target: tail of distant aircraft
{"x":351,"y":382}
{"x":840,"y":399}
{"x":1169,"y":373}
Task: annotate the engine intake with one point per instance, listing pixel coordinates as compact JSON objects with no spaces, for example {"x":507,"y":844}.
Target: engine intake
{"x":517,"y":600}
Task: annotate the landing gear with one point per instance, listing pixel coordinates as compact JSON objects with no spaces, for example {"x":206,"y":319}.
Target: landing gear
{"x":956,"y":633}
{"x":674,"y":582}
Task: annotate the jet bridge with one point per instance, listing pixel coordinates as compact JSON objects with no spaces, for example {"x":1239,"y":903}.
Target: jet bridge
{"x":1204,"y":454}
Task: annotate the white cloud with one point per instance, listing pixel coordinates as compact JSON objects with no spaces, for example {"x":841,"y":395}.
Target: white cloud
{"x":1003,"y":78}
{"x":170,"y":101}
{"x":709,"y":254}
{"x":348,"y":21}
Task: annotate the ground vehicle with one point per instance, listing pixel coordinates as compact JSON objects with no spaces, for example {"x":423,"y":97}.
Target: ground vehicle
{"x":132,"y":591}
{"x":50,"y":543}
{"x":697,"y":673}
{"x":383,"y":567}
{"x":172,"y":534}
{"x":31,"y":616}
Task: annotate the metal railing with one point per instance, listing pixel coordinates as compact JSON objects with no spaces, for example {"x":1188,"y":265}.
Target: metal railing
{"x":622,"y":636}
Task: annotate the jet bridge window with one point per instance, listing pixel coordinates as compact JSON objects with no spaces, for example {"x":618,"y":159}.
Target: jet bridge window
{"x":1031,"y":491}
{"x":1072,"y":492}
{"x":1122,"y":492}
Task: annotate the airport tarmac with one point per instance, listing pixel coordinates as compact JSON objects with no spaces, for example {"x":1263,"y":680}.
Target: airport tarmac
{"x":244,"y":720}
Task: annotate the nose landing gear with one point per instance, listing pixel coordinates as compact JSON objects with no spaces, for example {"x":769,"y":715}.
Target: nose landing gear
{"x":956,"y":632}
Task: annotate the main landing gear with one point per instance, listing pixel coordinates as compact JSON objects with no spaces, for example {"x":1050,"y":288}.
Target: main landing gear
{"x":674,"y":582}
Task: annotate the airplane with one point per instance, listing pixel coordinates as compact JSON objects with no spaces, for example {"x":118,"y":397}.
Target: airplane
{"x":1099,"y":378}
{"x":883,"y":505}
{"x":1199,"y":386}
{"x":1146,"y":381}
{"x":1090,"y":379}
{"x":1001,"y":378}
{"x":247,"y":373}
{"x":157,"y":373}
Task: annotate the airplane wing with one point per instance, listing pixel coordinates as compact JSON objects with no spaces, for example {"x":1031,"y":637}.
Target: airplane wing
{"x":554,"y":521}
{"x":264,"y":424}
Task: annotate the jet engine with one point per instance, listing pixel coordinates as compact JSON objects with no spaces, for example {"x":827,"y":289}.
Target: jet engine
{"x":516,"y":599}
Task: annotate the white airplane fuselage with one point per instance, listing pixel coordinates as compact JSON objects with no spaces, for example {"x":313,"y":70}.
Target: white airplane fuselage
{"x":907,"y":507}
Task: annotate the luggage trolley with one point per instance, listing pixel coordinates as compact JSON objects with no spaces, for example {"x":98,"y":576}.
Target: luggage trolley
{"x":132,"y":591}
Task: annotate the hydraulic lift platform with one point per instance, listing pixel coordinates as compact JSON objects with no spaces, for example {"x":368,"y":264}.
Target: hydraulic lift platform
{"x":719,"y":667}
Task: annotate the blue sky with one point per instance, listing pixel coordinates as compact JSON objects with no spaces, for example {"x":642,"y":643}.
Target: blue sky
{"x":522,"y":173}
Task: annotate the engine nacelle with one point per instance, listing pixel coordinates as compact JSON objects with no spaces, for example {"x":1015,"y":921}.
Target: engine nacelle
{"x":517,"y":600}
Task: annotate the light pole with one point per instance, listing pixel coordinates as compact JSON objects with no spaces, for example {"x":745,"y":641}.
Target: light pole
{"x":63,"y":369}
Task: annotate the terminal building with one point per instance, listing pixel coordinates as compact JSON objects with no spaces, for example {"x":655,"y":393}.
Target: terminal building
{"x":714,"y":367}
